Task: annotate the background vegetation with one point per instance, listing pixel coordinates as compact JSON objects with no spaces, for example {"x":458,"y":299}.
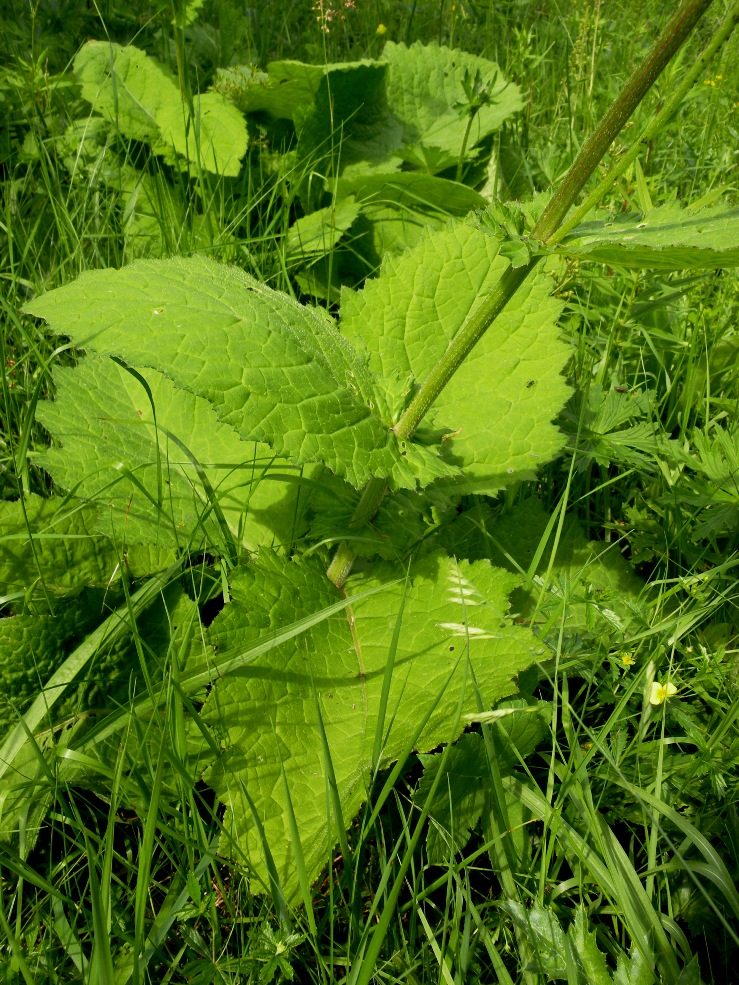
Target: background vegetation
{"x":623,"y":809}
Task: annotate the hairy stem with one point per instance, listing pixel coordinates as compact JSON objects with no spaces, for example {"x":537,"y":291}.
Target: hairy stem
{"x":643,"y":78}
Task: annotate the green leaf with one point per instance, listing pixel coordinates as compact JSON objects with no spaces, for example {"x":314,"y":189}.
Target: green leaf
{"x":401,"y":205}
{"x":286,"y":88}
{"x":275,"y":371}
{"x":156,"y":218}
{"x":544,"y":933}
{"x":667,"y":238}
{"x":186,"y":13}
{"x":266,"y":713}
{"x":31,"y":649}
{"x":150,"y":489}
{"x":592,"y":580}
{"x":712,"y":491}
{"x":397,"y":528}
{"x":350,"y":119}
{"x":499,"y":405}
{"x":36,"y":652}
{"x":634,"y":970}
{"x":591,"y":960}
{"x":691,"y":973}
{"x":609,"y":426}
{"x":426,"y":90}
{"x":459,"y":799}
{"x":55,"y":543}
{"x":466,"y":783}
{"x":132,"y":92}
{"x":317,"y":233}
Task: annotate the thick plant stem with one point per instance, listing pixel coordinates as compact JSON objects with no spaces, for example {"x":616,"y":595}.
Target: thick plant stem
{"x":369,"y":504}
{"x":462,"y":344}
{"x":664,"y":48}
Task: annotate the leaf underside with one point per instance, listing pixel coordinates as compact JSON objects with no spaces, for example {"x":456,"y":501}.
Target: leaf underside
{"x":266,"y":713}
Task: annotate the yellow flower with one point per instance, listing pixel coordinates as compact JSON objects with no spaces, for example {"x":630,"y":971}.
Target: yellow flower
{"x":659,"y":693}
{"x":627,"y":660}
{"x":381,"y":29}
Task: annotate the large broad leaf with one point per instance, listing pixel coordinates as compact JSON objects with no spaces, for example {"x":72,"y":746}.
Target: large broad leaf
{"x":33,"y":646}
{"x":340,"y":110}
{"x":500,"y":404}
{"x":401,"y":205}
{"x":266,"y":713}
{"x":667,"y":238}
{"x":350,"y":119}
{"x":275,"y":371}
{"x":162,"y":467}
{"x":55,"y":545}
{"x":286,"y":88}
{"x":426,"y":89}
{"x":131,"y":91}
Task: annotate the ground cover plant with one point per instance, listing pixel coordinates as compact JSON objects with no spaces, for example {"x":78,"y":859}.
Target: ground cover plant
{"x":368,"y":570}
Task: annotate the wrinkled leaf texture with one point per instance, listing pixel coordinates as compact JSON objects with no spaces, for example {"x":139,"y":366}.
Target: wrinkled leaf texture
{"x":499,"y":405}
{"x":149,"y":489}
{"x":266,"y":713}
{"x":274,"y":370}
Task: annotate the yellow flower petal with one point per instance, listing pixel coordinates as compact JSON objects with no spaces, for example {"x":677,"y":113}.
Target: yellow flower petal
{"x":658,"y":693}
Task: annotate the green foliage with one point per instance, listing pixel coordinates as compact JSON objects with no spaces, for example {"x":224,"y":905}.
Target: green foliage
{"x":454,"y":638}
{"x":580,"y":831}
{"x":465,"y":788}
{"x":136,"y":96}
{"x":571,"y":582}
{"x":273,"y":370}
{"x":32,"y":646}
{"x":426,"y":89}
{"x":163,"y":469}
{"x":574,"y":956}
{"x":666,"y":238}
{"x":495,"y":414}
{"x":52,"y":545}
